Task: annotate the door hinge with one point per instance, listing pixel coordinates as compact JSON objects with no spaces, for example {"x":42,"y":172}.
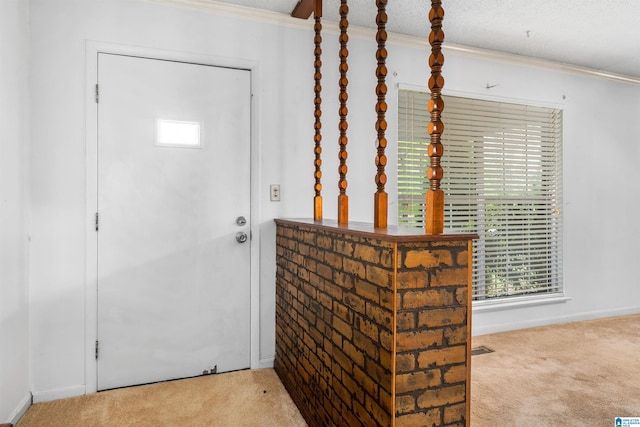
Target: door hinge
{"x":97,"y":93}
{"x":96,"y":349}
{"x":97,"y":221}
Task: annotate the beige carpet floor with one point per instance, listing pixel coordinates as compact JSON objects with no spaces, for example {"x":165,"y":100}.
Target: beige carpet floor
{"x":242,"y":398}
{"x":576,"y":374}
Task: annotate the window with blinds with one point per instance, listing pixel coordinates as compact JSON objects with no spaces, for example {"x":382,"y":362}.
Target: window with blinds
{"x":502,"y":179}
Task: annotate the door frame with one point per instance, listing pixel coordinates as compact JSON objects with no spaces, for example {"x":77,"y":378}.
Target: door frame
{"x":93,"y":49}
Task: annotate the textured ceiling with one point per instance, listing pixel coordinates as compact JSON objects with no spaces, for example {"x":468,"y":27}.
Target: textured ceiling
{"x":598,"y":34}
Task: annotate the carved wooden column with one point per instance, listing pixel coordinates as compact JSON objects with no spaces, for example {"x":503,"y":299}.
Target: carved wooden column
{"x":380,"y":202}
{"x":343,"y":199}
{"x":317,"y":200}
{"x":434,"y":218}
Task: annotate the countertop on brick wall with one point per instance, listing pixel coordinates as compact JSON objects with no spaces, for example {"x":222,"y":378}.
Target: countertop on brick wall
{"x":393,"y":233}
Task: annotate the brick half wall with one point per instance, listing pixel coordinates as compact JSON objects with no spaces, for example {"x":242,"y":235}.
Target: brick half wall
{"x":372,"y":328}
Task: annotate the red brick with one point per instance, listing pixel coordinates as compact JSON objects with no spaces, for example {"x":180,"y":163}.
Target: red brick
{"x":336,"y":338}
{"x":407,"y":341}
{"x":449,"y":244}
{"x":309,"y":290}
{"x":379,"y":374}
{"x":354,"y":302}
{"x":421,"y":419}
{"x":324,"y":242}
{"x":386,"y":340}
{"x":342,"y":312}
{"x":386,"y":401}
{"x":379,"y":414}
{"x":450,"y":277}
{"x":367,"y":327}
{"x":317,"y":336}
{"x":325,"y":300}
{"x":455,"y":413}
{"x":406,"y":383}
{"x":341,"y":326}
{"x":355,"y":268}
{"x":387,"y":299}
{"x":316,"y":254}
{"x":427,"y":298}
{"x":364,"y":417}
{"x":367,"y":383}
{"x":342,"y":360}
{"x":334,"y":260}
{"x":455,"y":335}
{"x":327,"y":354}
{"x":442,"y":317}
{"x":405,"y":404}
{"x":380,"y":316}
{"x":379,"y":276}
{"x":367,"y":253}
{"x":386,"y":361}
{"x":309,"y":238}
{"x":405,"y":362}
{"x":344,"y":280}
{"x":406,"y":321}
{"x":442,"y":396}
{"x":303,"y":249}
{"x":455,"y":374}
{"x":343,"y":247}
{"x":386,"y":258}
{"x":440,"y":357}
{"x":367,"y":290}
{"x":463,"y":258}
{"x":341,"y":391}
{"x":354,"y":354}
{"x":354,"y":388}
{"x":412,"y":279}
{"x":428,"y":258}
{"x":334,"y":291}
{"x":325,"y":271}
{"x":366,"y":344}
{"x":462,"y":296}
{"x":296,"y":257}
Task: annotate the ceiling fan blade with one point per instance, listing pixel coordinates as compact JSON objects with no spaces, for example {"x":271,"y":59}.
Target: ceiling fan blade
{"x":304,"y":8}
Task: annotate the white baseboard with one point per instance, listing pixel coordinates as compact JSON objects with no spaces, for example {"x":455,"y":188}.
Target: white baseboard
{"x":58,"y":393}
{"x":267,"y":362}
{"x":21,"y":409}
{"x":512,"y":325}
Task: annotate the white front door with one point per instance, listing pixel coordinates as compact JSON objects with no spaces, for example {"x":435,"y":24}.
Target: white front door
{"x":173,"y":182}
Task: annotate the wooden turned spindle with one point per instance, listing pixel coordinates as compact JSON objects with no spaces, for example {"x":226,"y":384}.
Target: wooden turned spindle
{"x":317,"y":200}
{"x":343,"y":199}
{"x":380,"y":202}
{"x":434,"y":217}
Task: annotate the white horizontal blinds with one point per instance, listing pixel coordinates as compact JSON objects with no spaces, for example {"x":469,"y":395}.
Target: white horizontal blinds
{"x":413,"y":160}
{"x":502,"y":166}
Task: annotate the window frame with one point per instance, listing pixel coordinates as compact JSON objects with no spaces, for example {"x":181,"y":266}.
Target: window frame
{"x":555,"y":286}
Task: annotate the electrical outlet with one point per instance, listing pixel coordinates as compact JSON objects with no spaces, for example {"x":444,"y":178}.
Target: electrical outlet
{"x":275,"y":193}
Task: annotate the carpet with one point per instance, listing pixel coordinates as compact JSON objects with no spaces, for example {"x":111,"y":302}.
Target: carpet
{"x":575,"y":374}
{"x":242,"y":398}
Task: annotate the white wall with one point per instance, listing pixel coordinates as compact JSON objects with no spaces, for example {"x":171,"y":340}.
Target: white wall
{"x":599,"y":137}
{"x":14,"y":302}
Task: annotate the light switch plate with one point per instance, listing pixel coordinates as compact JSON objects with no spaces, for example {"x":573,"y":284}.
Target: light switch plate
{"x":275,"y":192}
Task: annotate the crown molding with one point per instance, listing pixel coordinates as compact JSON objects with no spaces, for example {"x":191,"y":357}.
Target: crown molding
{"x":281,"y":19}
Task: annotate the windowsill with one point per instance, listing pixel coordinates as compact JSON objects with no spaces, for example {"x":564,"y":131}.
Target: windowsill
{"x":518,"y":302}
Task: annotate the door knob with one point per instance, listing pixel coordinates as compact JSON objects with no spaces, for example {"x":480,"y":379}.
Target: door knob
{"x":241,"y":237}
